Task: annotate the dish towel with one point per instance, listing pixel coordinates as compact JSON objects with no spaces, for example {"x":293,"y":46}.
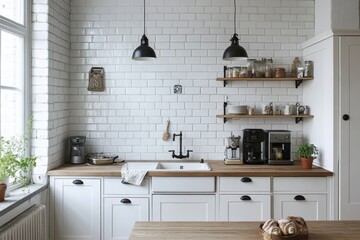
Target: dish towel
{"x":132,"y":176}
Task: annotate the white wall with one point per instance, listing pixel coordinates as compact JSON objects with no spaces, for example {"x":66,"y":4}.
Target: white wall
{"x":189,"y":38}
{"x":336,"y":15}
{"x":50,"y":75}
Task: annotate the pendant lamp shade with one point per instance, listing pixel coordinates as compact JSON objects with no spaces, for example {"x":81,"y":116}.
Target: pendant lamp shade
{"x":144,"y":52}
{"x":235,"y":51}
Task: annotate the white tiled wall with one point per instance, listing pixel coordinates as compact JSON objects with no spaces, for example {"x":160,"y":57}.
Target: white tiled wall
{"x":189,"y":37}
{"x":50,"y":79}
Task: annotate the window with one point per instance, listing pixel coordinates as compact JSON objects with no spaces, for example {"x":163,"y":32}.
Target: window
{"x":14,"y":66}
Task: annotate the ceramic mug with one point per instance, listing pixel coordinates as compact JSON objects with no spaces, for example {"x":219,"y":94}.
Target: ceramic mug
{"x":287,"y":109}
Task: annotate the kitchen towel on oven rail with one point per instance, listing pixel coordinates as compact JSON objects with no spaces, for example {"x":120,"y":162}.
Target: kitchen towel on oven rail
{"x":132,"y":176}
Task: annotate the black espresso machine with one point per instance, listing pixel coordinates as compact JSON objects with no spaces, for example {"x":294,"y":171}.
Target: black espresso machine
{"x":254,"y":146}
{"x":278,"y":147}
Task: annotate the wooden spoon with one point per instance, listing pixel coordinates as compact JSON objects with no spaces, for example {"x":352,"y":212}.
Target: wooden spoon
{"x":166,"y":134}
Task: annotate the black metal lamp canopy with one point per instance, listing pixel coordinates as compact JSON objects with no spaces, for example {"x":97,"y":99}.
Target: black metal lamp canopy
{"x":144,"y":52}
{"x":235,"y":51}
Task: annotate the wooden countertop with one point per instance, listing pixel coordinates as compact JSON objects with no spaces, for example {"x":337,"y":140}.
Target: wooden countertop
{"x":218,"y":169}
{"x":318,"y":230}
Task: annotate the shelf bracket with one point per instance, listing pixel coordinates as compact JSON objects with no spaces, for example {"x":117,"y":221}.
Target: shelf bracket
{"x":298,"y":119}
{"x":298,"y":82}
{"x":225,"y":105}
{"x":225,"y":82}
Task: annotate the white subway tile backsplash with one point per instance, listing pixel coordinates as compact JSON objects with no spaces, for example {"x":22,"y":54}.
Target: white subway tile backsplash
{"x":189,"y":38}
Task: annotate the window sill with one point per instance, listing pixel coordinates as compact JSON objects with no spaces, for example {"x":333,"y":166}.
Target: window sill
{"x":19,"y":196}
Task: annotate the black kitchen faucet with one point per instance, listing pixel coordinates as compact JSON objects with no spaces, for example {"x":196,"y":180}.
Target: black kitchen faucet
{"x":180,"y":156}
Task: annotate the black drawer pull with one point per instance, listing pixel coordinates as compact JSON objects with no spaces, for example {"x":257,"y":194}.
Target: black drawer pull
{"x":123,"y":182}
{"x":78,"y":181}
{"x":299,"y":198}
{"x":246,"y":179}
{"x":245,"y":198}
{"x":125,"y":200}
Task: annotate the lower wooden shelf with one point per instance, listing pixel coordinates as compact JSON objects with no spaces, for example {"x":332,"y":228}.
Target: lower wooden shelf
{"x":297,"y":118}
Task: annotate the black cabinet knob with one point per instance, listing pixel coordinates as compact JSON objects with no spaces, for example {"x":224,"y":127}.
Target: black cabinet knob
{"x":345,"y":117}
{"x":246,"y":179}
{"x":299,"y":198}
{"x":125,"y":200}
{"x":78,"y":181}
{"x":245,"y":198}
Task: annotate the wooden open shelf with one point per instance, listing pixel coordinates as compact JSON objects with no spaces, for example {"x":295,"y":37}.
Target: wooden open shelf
{"x":297,"y":118}
{"x":298,"y":81}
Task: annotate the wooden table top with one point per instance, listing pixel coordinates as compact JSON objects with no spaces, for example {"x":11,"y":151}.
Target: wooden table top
{"x":318,"y":230}
{"x":218,"y":169}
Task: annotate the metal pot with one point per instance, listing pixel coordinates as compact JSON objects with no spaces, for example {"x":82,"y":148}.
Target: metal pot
{"x":101,"y":159}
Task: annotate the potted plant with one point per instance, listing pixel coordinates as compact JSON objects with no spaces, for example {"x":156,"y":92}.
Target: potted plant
{"x":307,"y":153}
{"x":14,"y":163}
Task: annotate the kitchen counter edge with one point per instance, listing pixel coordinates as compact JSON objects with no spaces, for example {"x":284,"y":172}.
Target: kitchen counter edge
{"x":218,"y":169}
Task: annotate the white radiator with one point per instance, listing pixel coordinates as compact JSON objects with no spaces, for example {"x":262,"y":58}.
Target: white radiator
{"x":29,"y":225}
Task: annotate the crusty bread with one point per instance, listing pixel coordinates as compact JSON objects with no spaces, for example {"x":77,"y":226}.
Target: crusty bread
{"x":288,"y":227}
{"x":271,"y":227}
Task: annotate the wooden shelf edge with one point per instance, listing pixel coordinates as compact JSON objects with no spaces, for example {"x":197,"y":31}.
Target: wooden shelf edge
{"x":263,"y":116}
{"x":265,"y":79}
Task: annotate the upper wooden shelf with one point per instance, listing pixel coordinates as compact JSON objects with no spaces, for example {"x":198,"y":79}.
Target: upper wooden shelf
{"x":297,"y":118}
{"x":298,"y":81}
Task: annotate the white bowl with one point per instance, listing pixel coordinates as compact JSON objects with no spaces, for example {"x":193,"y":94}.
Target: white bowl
{"x":241,"y":109}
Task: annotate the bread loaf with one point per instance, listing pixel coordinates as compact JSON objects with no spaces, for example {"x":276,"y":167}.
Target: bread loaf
{"x":301,"y":224}
{"x":271,"y":227}
{"x":288,"y":227}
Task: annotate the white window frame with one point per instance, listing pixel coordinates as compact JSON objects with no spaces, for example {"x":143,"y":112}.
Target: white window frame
{"x":23,"y":30}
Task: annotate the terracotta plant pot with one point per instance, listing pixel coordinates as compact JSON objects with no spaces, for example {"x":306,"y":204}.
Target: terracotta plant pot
{"x":3,"y":187}
{"x":307,"y":163}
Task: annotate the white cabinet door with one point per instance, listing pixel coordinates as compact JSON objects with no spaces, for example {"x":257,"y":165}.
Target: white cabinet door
{"x":183,"y":207}
{"x":349,"y":191}
{"x":245,"y":207}
{"x":120,"y":214}
{"x":308,"y":206}
{"x":75,"y":207}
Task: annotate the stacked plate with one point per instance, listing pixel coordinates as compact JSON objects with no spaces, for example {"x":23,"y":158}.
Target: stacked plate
{"x":241,"y":109}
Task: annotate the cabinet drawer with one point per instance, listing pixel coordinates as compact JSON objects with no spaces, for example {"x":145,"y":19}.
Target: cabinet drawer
{"x":309,"y":206}
{"x":183,"y":184}
{"x":252,"y":207}
{"x":244,"y":184}
{"x":300,"y":184}
{"x":114,"y":186}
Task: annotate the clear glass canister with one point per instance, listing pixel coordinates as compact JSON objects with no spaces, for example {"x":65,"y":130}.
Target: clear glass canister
{"x":236,"y":72}
{"x":251,"y":67}
{"x":308,"y":69}
{"x":228,"y":72}
{"x":269,"y":67}
{"x":260,"y":68}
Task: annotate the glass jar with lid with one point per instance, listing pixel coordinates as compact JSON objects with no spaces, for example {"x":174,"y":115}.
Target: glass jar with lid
{"x":260,"y":68}
{"x":308,"y":69}
{"x":250,"y":67}
{"x":228,"y":72}
{"x":269,"y":68}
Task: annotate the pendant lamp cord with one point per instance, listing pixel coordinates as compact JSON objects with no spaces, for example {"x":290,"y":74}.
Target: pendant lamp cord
{"x":144,"y":17}
{"x":234,"y":16}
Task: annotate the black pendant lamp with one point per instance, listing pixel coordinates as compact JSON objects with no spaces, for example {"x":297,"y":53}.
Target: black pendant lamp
{"x":235,"y":51}
{"x":144,"y":52}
